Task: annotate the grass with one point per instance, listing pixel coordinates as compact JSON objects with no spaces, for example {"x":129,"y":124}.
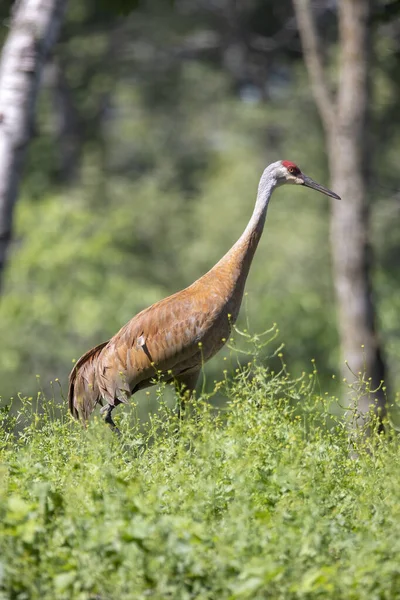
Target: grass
{"x":256,"y":501}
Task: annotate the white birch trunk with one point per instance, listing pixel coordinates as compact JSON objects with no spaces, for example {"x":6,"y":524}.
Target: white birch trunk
{"x":34,"y":28}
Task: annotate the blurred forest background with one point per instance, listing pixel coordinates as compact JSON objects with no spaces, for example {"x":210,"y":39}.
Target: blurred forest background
{"x":153,"y":125}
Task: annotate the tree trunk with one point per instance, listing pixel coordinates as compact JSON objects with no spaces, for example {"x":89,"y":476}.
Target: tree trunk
{"x":67,"y":128}
{"x":349,"y":156}
{"x":345,"y":123}
{"x":34,"y":29}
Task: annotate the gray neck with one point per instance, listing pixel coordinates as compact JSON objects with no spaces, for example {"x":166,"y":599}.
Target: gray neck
{"x":268,"y":183}
{"x":241,"y":254}
{"x":234,"y":267}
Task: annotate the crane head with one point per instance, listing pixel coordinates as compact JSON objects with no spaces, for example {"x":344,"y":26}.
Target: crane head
{"x":289,"y":172}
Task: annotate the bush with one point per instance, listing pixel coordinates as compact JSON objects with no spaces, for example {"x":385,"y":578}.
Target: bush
{"x":258,"y":500}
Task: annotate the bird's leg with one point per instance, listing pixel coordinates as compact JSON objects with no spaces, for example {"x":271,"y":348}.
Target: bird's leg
{"x":107,"y":410}
{"x":185,"y":386}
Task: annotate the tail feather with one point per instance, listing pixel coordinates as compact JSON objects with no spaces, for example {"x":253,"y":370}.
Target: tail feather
{"x":83,"y":392}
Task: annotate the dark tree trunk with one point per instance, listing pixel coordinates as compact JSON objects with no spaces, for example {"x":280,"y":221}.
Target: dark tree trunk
{"x":68,"y":131}
{"x":349,"y":158}
{"x":34,"y":29}
{"x":345,"y":123}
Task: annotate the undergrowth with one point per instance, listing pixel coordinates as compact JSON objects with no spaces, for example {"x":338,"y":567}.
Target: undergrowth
{"x":260,"y":500}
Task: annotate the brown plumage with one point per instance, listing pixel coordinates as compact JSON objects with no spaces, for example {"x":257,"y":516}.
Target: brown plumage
{"x":177,"y":335}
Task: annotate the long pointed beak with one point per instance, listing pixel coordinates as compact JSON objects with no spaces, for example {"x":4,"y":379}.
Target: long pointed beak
{"x":308,"y":182}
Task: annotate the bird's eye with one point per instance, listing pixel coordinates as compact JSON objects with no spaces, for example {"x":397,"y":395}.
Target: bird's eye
{"x":291,"y":169}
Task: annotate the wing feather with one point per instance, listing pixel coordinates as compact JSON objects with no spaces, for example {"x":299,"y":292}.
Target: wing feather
{"x":83,"y":392}
{"x":163,"y":337}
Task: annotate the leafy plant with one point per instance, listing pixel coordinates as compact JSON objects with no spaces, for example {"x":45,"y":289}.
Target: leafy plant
{"x":267,"y":498}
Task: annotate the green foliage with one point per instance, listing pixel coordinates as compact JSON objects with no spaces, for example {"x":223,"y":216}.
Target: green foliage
{"x":253,"y":502}
{"x":89,"y":260}
{"x":166,"y":157}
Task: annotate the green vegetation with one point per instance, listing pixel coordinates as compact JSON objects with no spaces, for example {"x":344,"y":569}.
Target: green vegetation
{"x":255,"y":501}
{"x":167,"y":158}
{"x":143,"y":170}
{"x":89,"y":260}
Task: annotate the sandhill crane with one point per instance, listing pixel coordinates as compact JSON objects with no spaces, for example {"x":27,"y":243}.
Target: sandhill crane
{"x":177,"y":335}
